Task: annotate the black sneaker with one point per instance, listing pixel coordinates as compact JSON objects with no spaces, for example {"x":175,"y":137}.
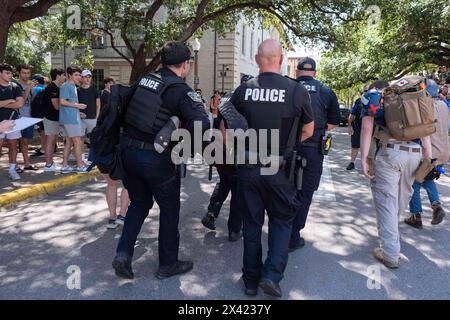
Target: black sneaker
{"x":178,"y":267}
{"x":270,"y":287}
{"x":298,"y":245}
{"x":209,"y":221}
{"x":351,"y":166}
{"x":234,"y":236}
{"x":37,"y":153}
{"x":415,"y":221}
{"x":122,"y":266}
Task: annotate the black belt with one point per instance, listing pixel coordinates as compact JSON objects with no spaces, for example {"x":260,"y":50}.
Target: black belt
{"x":310,"y":144}
{"x":129,"y":142}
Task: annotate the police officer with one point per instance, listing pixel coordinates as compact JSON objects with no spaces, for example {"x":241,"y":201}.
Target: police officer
{"x":325,"y":106}
{"x":150,"y":176}
{"x":227,"y":182}
{"x":272,"y":102}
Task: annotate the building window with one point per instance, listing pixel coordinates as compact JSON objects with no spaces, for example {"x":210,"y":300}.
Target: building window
{"x":97,"y":78}
{"x":252,"y":44}
{"x":243,"y":38}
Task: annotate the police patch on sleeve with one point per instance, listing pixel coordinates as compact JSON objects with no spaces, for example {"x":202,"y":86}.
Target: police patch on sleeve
{"x":194,"y":96}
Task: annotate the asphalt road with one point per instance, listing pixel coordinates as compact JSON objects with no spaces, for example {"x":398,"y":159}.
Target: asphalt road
{"x":44,"y":240}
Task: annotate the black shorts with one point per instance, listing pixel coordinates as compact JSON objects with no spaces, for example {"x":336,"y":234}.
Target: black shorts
{"x":356,"y":139}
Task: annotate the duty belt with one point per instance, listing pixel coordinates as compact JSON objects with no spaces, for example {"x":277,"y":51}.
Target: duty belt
{"x":129,"y":142}
{"x":268,"y":160}
{"x":311,"y":144}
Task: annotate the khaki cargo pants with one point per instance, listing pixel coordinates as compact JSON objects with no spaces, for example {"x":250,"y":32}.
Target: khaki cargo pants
{"x":394,"y":176}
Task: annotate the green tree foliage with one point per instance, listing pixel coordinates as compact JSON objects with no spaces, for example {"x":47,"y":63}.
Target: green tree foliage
{"x":409,"y":36}
{"x":23,"y":48}
{"x":137,"y":29}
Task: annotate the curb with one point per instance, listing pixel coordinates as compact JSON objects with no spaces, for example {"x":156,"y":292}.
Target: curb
{"x":45,"y":188}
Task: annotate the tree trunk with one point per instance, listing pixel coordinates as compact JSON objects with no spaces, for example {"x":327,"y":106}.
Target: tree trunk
{"x":4,"y":29}
{"x":140,"y":68}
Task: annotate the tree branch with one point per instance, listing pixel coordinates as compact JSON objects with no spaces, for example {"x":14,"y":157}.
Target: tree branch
{"x":152,"y":11}
{"x":113,"y":45}
{"x":30,"y":12}
{"x":123,"y":34}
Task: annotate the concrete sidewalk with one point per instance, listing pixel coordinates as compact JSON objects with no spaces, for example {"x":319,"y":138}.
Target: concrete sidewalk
{"x":35,"y":183}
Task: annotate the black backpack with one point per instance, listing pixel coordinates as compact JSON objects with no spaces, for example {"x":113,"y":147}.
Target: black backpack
{"x":37,"y":110}
{"x":105,"y":137}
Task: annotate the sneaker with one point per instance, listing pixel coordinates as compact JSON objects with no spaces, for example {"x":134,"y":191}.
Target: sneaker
{"x":178,"y":267}
{"x":83,"y":169}
{"x":13,"y":175}
{"x":120,"y":220}
{"x":111,"y":224}
{"x":37,"y":153}
{"x":351,"y":166}
{"x":122,"y":266}
{"x":378,"y":254}
{"x":234,"y":236}
{"x":209,"y":221}
{"x":19,"y":169}
{"x":67,"y":169}
{"x":31,"y":167}
{"x":415,"y":221}
{"x":52,"y":168}
{"x":299,"y":245}
{"x":438,"y":214}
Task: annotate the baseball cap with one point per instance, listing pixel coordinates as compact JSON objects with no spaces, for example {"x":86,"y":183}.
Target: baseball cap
{"x":175,"y":52}
{"x":307,"y":60}
{"x":86,"y":73}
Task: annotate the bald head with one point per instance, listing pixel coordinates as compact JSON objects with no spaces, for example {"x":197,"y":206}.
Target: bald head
{"x":270,"y":56}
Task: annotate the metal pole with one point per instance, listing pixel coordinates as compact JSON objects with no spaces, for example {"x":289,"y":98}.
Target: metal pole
{"x":196,"y":80}
{"x":64,"y":58}
{"x":215,"y":60}
{"x":223,"y":78}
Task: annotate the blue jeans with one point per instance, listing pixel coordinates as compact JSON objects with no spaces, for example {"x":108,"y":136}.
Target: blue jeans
{"x":151,"y":177}
{"x":415,"y":205}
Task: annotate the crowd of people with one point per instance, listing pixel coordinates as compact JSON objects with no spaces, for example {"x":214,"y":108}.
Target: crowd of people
{"x":305,"y":111}
{"x":69,"y":105}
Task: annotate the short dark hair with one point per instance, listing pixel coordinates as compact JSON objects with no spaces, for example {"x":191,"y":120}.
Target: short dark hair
{"x":23,"y":66}
{"x":72,"y":69}
{"x":56,"y":72}
{"x":107,"y":80}
{"x":5,"y":67}
{"x":379,"y":84}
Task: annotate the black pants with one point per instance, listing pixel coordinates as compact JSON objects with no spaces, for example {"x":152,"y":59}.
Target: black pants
{"x":150,"y":176}
{"x":303,"y":198}
{"x":258,"y":194}
{"x":227,"y":183}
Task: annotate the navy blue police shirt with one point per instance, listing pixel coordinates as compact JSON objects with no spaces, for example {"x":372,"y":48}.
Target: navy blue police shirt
{"x":183,"y":102}
{"x":329,"y":102}
{"x":272,"y":91}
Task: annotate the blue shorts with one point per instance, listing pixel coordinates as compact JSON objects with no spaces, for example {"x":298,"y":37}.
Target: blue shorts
{"x":28,"y":132}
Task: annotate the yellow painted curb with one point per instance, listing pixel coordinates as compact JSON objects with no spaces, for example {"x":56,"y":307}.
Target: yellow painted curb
{"x":11,"y":198}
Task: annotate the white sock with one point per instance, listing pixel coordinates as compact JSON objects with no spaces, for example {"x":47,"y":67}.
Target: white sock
{"x":12,"y":167}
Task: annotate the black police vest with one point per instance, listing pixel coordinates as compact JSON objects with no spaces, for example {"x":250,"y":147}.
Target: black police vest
{"x":314,"y":88}
{"x":268,"y":107}
{"x":145,"y":111}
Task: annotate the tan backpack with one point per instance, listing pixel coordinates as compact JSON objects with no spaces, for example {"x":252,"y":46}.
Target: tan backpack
{"x":409,"y":109}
